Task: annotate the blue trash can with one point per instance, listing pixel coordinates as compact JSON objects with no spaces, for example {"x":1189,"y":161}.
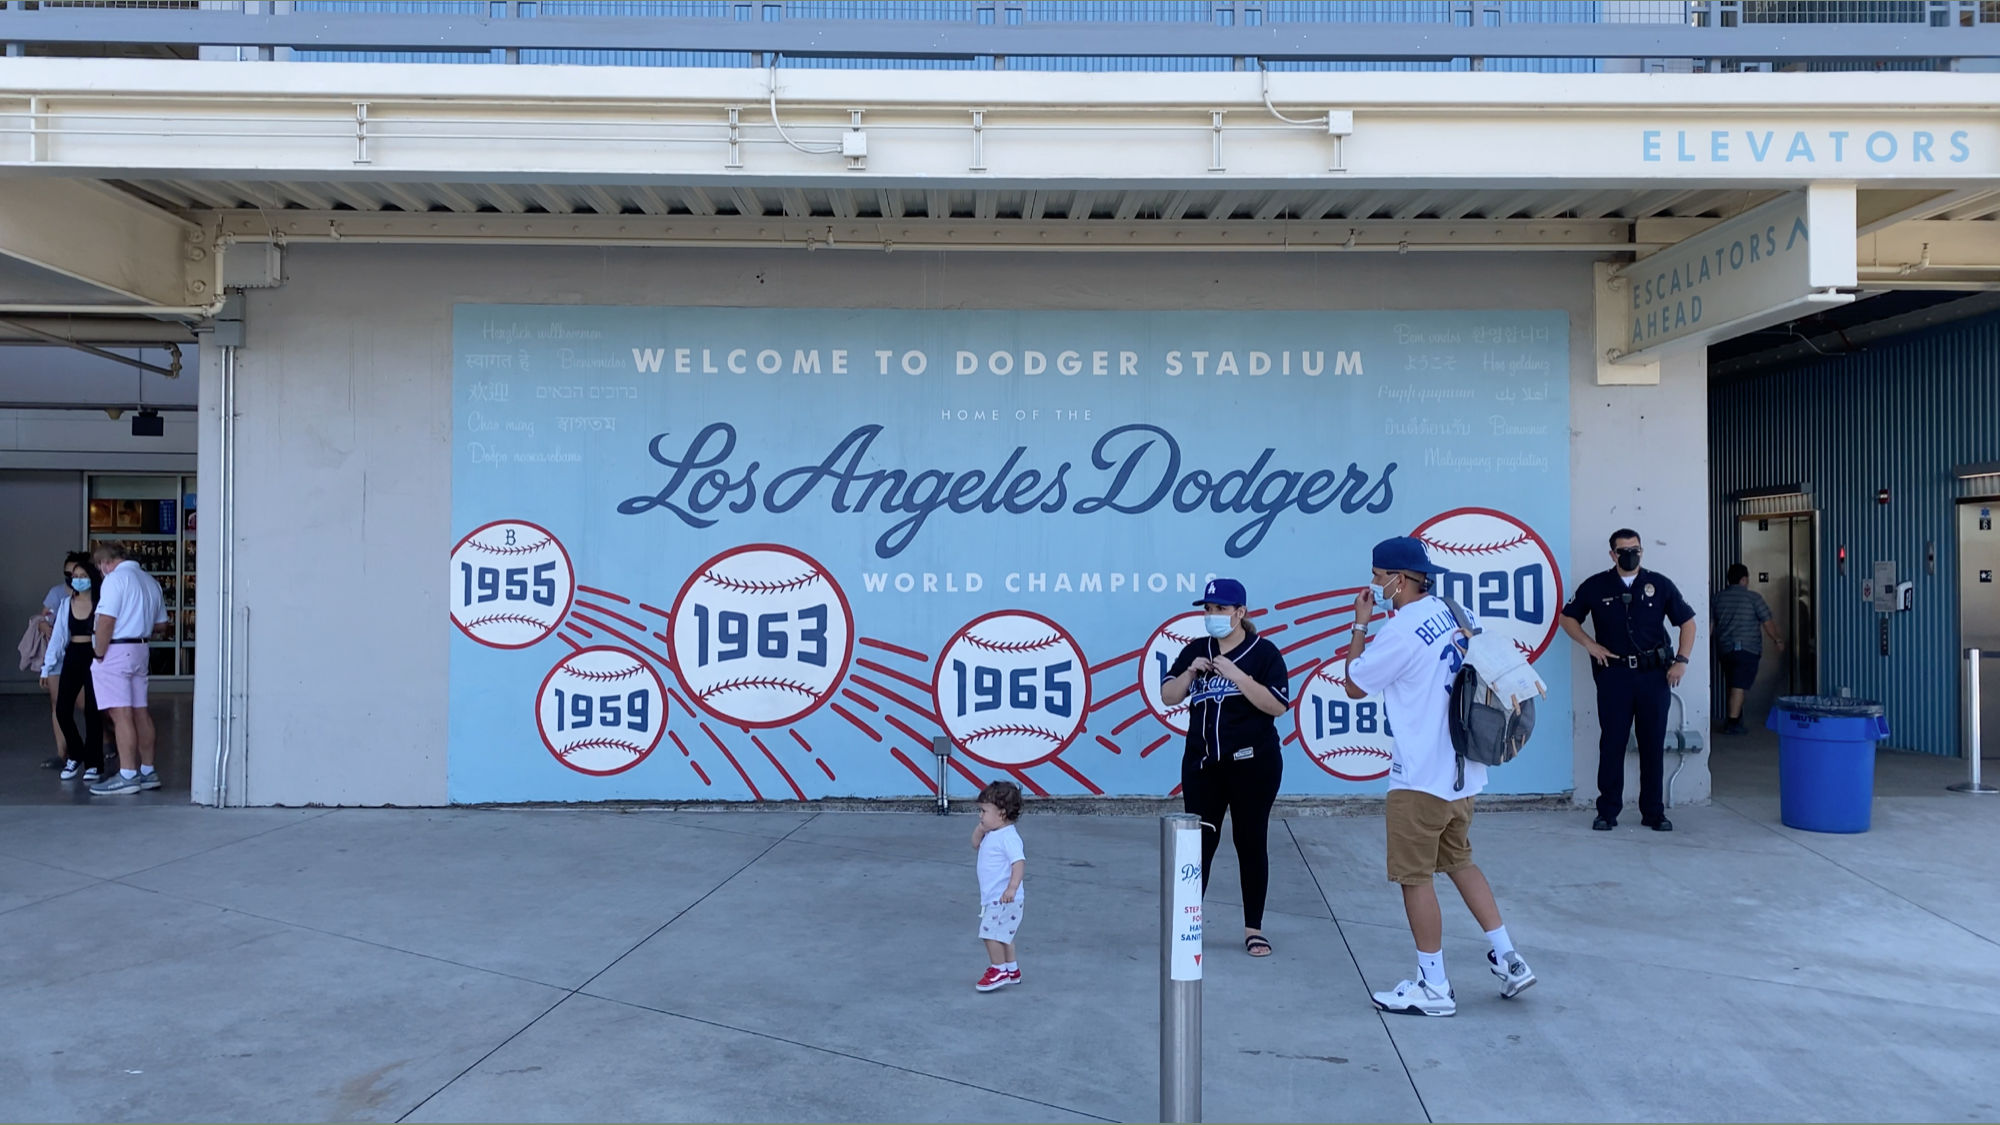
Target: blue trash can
{"x":1826,"y":760}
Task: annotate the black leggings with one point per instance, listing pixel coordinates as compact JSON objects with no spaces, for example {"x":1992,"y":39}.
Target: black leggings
{"x":1245,"y":790}
{"x":87,"y":747}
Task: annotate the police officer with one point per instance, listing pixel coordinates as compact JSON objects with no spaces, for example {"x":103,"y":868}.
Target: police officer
{"x":1636,"y":670}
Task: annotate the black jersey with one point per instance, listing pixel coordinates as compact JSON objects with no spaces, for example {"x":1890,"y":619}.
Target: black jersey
{"x":1627,"y":619}
{"x":1221,"y":723}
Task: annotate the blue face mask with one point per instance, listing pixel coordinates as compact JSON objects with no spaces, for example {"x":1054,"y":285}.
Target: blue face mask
{"x":1217,"y":624}
{"x":79,"y":584}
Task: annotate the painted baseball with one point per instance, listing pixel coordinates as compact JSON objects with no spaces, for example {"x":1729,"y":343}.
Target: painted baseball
{"x":601,"y":711}
{"x":1012,"y":689}
{"x":1348,"y":738}
{"x":761,"y":636}
{"x":1500,"y":570}
{"x":1161,"y":651}
{"x":511,"y":584}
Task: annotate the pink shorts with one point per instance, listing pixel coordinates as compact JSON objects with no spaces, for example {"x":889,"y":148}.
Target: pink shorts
{"x":120,"y":678}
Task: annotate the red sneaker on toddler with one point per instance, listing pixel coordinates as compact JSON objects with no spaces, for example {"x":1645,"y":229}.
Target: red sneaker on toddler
{"x":996,"y":977}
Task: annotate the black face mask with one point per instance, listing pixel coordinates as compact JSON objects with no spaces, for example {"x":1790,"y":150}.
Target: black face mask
{"x":1628,"y":559}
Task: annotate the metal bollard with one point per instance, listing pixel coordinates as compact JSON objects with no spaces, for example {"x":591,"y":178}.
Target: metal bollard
{"x":1180,"y":968}
{"x":941,"y":746}
{"x":1972,"y":739}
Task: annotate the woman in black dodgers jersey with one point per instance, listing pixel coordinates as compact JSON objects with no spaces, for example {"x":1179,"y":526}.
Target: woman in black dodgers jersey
{"x":1236,"y":686}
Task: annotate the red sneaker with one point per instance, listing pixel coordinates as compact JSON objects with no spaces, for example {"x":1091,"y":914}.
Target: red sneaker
{"x":996,"y":977}
{"x":1013,"y":976}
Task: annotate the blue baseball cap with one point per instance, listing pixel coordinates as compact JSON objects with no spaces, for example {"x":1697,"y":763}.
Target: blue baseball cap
{"x":1224,"y":591}
{"x":1404,"y":553}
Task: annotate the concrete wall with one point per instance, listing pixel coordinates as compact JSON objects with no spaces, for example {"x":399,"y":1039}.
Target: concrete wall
{"x":343,"y":471}
{"x":41,"y":520}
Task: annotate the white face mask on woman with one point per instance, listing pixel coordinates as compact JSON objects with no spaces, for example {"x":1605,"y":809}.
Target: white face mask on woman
{"x":1217,"y":624}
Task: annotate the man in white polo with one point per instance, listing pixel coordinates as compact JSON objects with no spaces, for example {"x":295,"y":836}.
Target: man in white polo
{"x":129,"y":611}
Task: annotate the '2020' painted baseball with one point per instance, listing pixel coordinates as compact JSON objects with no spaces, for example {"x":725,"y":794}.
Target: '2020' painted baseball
{"x":761,"y":636}
{"x":601,"y":710}
{"x":511,"y":584}
{"x":1161,"y":651}
{"x":1011,"y":689}
{"x":1348,"y":738}
{"x":1500,"y":570}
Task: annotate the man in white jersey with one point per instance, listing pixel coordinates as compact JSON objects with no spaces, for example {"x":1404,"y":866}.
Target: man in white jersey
{"x":1410,"y":665}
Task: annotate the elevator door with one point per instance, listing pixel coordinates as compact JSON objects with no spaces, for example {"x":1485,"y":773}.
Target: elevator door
{"x":1782,"y":556}
{"x":1979,"y":608}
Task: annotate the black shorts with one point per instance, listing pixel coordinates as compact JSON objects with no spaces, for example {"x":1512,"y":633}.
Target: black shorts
{"x":1739,"y":668}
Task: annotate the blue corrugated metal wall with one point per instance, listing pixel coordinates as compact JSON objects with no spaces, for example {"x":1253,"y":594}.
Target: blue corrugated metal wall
{"x":1032,"y":11}
{"x":1900,"y":415}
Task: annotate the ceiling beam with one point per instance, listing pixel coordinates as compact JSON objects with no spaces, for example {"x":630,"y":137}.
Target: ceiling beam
{"x":134,"y":252}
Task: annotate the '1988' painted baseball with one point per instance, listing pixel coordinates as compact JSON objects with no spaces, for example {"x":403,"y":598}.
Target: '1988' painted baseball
{"x":1161,"y":651}
{"x":601,"y":711}
{"x":511,"y":584}
{"x":761,"y":636}
{"x":1348,"y":738}
{"x":1012,"y":689}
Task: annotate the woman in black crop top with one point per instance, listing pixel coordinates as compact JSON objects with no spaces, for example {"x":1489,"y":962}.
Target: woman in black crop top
{"x":83,"y":751}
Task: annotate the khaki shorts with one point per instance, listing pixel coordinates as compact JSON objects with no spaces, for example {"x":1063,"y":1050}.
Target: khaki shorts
{"x":1427,"y":835}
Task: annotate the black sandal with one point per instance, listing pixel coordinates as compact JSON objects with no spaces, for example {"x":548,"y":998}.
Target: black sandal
{"x":1251,"y":943}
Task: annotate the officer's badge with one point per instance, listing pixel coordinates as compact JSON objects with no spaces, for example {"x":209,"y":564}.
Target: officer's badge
{"x":1649,"y":589}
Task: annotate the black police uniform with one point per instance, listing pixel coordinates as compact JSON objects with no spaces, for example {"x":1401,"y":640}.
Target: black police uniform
{"x":1629,"y":622}
{"x":1232,"y":764}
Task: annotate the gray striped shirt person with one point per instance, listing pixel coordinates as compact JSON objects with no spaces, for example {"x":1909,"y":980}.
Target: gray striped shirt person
{"x":1739,"y":614}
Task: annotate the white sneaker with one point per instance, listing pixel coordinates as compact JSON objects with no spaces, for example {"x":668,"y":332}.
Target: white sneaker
{"x":90,"y":774}
{"x":70,"y":769}
{"x":1515,"y":976}
{"x":1417,"y":998}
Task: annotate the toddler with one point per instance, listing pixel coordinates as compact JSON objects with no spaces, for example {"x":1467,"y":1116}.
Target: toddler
{"x":1002,"y":866}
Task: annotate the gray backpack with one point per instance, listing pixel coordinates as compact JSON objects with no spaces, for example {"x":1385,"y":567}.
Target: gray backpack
{"x":1483,"y":728}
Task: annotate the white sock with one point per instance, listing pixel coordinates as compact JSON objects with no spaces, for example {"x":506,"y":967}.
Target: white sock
{"x":128,"y":773}
{"x":1431,"y":967}
{"x":145,"y":770}
{"x":1502,"y":944}
{"x":1012,"y":966}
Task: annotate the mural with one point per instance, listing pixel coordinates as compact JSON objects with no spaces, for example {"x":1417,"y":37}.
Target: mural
{"x":764,"y":554}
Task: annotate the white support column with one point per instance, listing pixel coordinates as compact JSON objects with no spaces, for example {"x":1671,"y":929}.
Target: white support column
{"x":136,"y":253}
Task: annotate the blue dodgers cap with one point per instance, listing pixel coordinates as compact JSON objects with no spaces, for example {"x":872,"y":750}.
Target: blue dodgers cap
{"x":1404,"y":553}
{"x":1223,"y":591}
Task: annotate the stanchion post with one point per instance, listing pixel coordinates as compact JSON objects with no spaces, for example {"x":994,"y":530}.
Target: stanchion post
{"x":941,"y":746}
{"x":1180,"y":968}
{"x":1972,"y":747}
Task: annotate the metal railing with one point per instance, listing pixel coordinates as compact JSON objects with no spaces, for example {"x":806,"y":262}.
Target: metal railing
{"x":1973,"y":745}
{"x":1705,"y":35}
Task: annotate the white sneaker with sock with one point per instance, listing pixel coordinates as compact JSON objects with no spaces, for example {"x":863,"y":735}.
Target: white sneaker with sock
{"x":1418,"y":998}
{"x":1514,"y":973}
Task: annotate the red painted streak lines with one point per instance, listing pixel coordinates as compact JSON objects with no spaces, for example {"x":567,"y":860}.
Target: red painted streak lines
{"x":801,"y":740}
{"x":885,"y":693}
{"x":1108,"y":744}
{"x":570,"y":641}
{"x":895,"y":675}
{"x":597,"y":593}
{"x":1120,"y":728}
{"x":1114,"y":697}
{"x":857,"y":697}
{"x":1334,"y":612}
{"x":824,"y":768}
{"x":967,"y":774}
{"x":1116,"y":661}
{"x":779,"y":766}
{"x":921,"y":775}
{"x":698,"y":772}
{"x":1159,"y":742}
{"x":1319,"y":597}
{"x":663,"y":661}
{"x":679,"y":743}
{"x":732,"y":761}
{"x":849,"y":716}
{"x":1080,"y":779}
{"x":656,"y":611}
{"x":885,"y":646}
{"x":922,"y":739}
{"x":607,"y":612}
{"x":1022,"y":777}
{"x":1309,"y":640}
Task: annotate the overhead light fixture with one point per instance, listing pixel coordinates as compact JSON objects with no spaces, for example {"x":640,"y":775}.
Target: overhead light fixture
{"x":148,"y":423}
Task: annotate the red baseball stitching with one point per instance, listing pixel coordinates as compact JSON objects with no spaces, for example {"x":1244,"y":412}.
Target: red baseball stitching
{"x":1173,"y":636}
{"x":627,"y":674}
{"x":1012,"y":728}
{"x":600,"y":744}
{"x":1371,"y":751}
{"x":747,"y":586}
{"x":759,"y":682}
{"x":1477,"y":548}
{"x":492,"y":550}
{"x":1012,"y":646}
{"x":507,"y":618}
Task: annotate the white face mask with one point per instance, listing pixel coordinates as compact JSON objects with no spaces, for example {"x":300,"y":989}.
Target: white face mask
{"x":1380,"y":590}
{"x":1217,"y":624}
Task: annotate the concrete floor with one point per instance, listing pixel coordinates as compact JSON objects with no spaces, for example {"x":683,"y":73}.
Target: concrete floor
{"x":163,"y":962}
